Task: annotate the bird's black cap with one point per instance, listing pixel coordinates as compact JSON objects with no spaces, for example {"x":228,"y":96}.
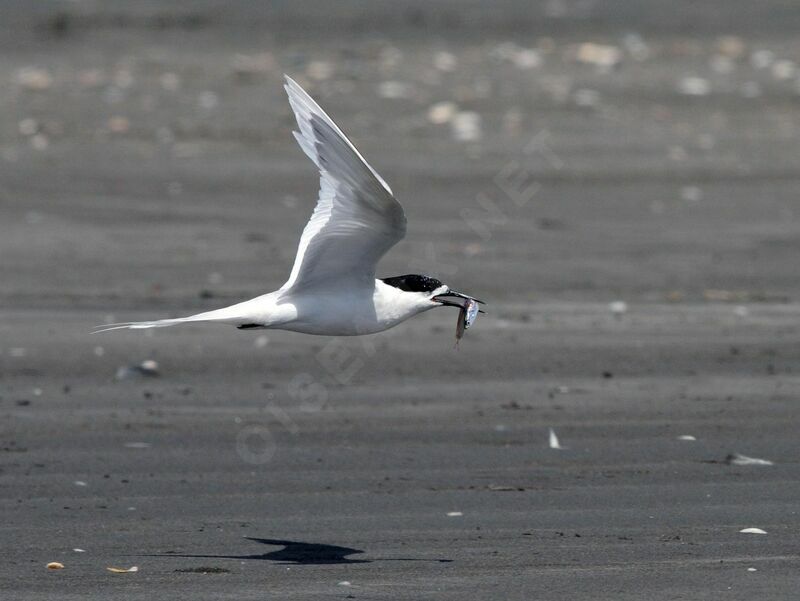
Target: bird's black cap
{"x":413,"y":282}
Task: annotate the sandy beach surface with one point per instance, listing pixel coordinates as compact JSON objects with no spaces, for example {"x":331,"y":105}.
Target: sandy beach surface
{"x":620,"y":184}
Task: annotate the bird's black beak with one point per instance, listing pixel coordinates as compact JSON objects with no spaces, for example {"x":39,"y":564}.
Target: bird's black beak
{"x":455,"y":299}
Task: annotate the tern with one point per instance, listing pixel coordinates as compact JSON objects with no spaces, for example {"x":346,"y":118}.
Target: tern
{"x":332,"y":289}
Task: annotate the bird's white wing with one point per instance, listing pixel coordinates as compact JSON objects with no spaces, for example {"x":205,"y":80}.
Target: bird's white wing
{"x":356,"y":220}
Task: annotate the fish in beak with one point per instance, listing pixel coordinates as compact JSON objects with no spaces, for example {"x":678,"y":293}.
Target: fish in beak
{"x":451,"y":298}
{"x":468,"y":309}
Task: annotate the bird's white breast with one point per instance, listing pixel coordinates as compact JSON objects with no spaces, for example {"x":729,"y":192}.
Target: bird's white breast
{"x":352,"y":312}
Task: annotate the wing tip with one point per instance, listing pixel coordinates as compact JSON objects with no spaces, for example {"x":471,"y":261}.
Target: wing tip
{"x":294,"y":89}
{"x":306,"y":111}
{"x":110,"y":327}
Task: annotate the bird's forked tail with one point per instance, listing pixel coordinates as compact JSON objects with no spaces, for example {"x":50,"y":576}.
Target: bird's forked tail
{"x":227,"y":315}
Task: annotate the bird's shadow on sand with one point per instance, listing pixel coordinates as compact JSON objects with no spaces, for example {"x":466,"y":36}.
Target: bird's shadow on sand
{"x":300,"y":553}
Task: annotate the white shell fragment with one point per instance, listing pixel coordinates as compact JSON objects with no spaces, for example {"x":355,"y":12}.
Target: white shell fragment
{"x":686,"y":437}
{"x":137,"y":445}
{"x":691,"y":193}
{"x":442,"y":112}
{"x":394,"y":90}
{"x":783,"y":69}
{"x":738,"y":459}
{"x":761,"y":59}
{"x":34,"y":78}
{"x":618,"y":307}
{"x":466,"y":126}
{"x":752,"y":531}
{"x":694,"y":86}
{"x":522,"y":58}
{"x":147,"y":368}
{"x":599,"y":55}
{"x":554,"y":443}
{"x":445,"y":61}
{"x":741,"y":311}
{"x":28,"y":127}
{"x":454,"y":514}
{"x":586,"y":97}
{"x":129,"y":570}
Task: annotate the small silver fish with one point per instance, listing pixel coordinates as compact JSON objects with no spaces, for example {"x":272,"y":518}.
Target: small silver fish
{"x":472,"y":308}
{"x":466,"y":317}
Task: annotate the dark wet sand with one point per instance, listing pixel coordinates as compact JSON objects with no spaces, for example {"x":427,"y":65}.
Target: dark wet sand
{"x":291,"y":465}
